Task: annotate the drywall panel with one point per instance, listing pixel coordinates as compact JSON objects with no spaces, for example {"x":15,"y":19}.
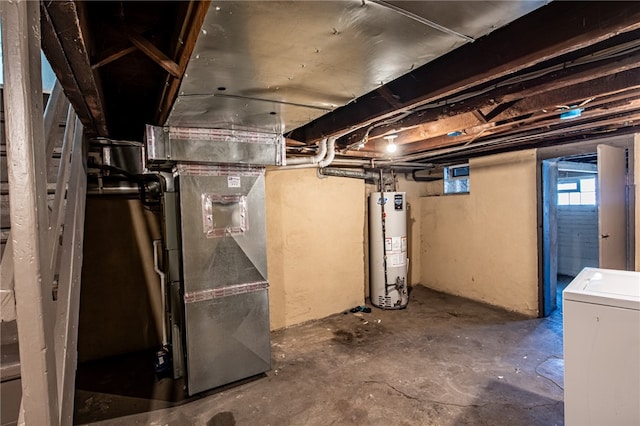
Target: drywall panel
{"x":120,"y":304}
{"x":577,"y":238}
{"x":483,"y":245}
{"x":315,"y":245}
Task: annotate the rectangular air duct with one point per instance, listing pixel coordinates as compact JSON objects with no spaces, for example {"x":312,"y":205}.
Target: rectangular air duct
{"x":166,"y":145}
{"x":215,"y":250}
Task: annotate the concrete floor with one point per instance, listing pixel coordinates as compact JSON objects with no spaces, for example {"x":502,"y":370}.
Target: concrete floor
{"x":442,"y":361}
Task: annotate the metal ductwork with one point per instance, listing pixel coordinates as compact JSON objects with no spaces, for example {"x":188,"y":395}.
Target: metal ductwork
{"x":170,"y":145}
{"x":215,"y":249}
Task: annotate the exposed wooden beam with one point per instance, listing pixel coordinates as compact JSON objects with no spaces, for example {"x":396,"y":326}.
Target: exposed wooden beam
{"x":187,"y":36}
{"x":544,"y":138}
{"x":479,"y":115}
{"x":439,"y":127}
{"x":389,"y":96}
{"x":539,"y":138}
{"x":113,"y":55}
{"x":590,"y":119}
{"x":154,"y":53}
{"x":529,"y":112}
{"x":559,"y":28}
{"x":292,"y":142}
{"x":65,"y":45}
{"x":498,"y":109}
{"x":599,"y":90}
{"x":488,"y":100}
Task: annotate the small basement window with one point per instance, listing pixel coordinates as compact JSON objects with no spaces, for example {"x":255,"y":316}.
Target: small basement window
{"x":577,"y":192}
{"x":456,"y":179}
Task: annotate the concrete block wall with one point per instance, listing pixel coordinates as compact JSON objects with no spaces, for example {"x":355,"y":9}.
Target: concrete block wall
{"x":577,"y":238}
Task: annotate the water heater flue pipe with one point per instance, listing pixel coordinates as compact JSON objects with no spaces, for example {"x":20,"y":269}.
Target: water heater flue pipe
{"x":331,"y":153}
{"x":312,"y":160}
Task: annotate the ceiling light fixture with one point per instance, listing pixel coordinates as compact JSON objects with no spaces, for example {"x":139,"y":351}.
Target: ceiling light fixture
{"x":391,"y":145}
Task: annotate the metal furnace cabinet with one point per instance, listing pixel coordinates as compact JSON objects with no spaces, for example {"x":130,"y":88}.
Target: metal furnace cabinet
{"x":224,"y":271}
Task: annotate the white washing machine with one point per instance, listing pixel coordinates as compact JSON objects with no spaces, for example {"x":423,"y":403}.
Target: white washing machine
{"x":601,"y":309}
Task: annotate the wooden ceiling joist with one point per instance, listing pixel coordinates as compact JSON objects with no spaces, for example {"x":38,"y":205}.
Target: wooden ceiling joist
{"x":493,"y":103}
{"x":187,"y":37}
{"x":553,"y":30}
{"x":543,"y":137}
{"x":113,"y":55}
{"x":600,"y":114}
{"x":155,"y":54}
{"x":65,"y":46}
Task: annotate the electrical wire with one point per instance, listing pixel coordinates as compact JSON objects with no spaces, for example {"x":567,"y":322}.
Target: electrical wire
{"x":627,"y":48}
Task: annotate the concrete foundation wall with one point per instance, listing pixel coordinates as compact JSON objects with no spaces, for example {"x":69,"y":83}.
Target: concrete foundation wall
{"x":315,"y":245}
{"x":483,"y":245}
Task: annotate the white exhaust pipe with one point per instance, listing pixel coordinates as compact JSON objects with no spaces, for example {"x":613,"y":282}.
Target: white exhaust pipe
{"x":331,"y":153}
{"x":310,"y":161}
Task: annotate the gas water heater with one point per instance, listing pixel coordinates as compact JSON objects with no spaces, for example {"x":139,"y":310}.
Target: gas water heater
{"x":388,"y":261}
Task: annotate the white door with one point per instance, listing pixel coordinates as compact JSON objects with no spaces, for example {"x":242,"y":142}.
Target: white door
{"x":612,"y":226}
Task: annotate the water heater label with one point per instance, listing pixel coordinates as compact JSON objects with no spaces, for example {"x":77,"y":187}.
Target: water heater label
{"x":397,"y":201}
{"x":396,"y":244}
{"x":395,"y":260}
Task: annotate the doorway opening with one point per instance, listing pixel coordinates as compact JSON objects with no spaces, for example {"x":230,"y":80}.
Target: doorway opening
{"x":586,"y":218}
{"x":577,"y":218}
{"x":571,"y":221}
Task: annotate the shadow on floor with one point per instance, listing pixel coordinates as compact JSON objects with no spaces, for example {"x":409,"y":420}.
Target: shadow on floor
{"x":444,"y":360}
{"x":127,"y":384}
{"x":531,"y":409}
{"x":561,"y":283}
{"x":131,"y":375}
